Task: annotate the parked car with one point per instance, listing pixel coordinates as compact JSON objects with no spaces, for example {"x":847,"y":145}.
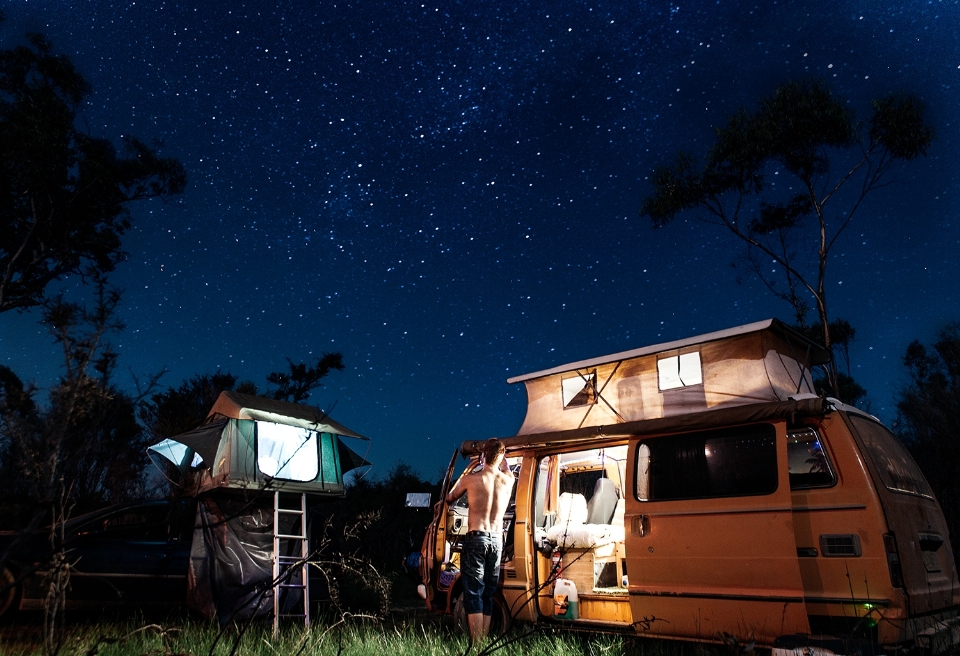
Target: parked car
{"x":132,"y":554}
{"x":698,"y":490}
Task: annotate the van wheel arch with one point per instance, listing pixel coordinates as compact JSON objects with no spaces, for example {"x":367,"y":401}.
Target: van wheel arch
{"x":10,"y":595}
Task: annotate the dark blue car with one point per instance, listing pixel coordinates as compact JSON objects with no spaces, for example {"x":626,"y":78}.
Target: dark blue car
{"x":134,"y":554}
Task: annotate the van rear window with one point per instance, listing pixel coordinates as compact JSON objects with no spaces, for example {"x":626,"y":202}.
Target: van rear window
{"x":721,"y":463}
{"x":897,"y":469}
{"x":808,"y":462}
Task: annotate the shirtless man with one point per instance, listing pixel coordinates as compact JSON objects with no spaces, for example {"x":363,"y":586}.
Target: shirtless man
{"x":488,"y":494}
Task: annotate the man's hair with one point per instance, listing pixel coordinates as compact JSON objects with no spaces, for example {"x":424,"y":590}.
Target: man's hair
{"x":492,"y":448}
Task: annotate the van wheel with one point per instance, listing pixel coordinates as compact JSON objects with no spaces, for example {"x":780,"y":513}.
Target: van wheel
{"x":9,"y":593}
{"x":500,"y":622}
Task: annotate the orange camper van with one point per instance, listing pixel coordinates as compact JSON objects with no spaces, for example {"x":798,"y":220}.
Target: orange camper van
{"x":699,"y":490}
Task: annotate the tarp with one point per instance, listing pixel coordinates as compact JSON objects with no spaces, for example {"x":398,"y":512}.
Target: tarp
{"x":231,"y":559}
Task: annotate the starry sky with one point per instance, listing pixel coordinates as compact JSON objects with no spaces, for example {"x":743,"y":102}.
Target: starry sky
{"x":447,"y":192}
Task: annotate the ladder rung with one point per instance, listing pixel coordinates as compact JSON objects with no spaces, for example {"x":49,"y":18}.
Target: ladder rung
{"x":284,"y":536}
{"x":290,"y":511}
{"x":292,"y":615}
{"x":291,"y":585}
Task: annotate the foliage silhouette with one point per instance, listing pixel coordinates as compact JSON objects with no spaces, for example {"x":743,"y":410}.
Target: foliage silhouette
{"x":803,"y":131}
{"x":64,"y":194}
{"x":928,"y":418}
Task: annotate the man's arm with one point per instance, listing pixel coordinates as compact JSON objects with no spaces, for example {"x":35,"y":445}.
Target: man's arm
{"x":457,"y":491}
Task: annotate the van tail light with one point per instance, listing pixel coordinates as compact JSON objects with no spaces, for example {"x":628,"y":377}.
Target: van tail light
{"x":893,"y":560}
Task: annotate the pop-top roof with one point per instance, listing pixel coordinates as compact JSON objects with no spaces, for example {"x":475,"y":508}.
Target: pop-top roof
{"x":817,"y":354}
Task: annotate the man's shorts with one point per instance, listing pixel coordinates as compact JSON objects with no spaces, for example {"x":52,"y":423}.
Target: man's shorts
{"x":480,"y":570}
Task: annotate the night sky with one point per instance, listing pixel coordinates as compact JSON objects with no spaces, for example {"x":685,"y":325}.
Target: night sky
{"x":447,"y":192}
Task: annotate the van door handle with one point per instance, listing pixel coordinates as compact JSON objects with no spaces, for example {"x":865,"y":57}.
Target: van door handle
{"x":641,"y":525}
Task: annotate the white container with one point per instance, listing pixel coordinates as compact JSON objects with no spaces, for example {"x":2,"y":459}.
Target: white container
{"x":565,"y":602}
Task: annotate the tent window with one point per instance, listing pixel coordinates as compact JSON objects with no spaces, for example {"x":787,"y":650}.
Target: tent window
{"x":287,"y":452}
{"x":329,"y":458}
{"x":680,"y":371}
{"x":579,"y":390}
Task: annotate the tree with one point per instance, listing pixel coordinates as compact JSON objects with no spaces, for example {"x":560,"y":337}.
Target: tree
{"x":178,"y":410}
{"x":181,"y":409}
{"x":85,"y":441}
{"x":928,"y":418}
{"x":795,"y":219}
{"x":64,"y":195}
{"x":841,"y":335}
{"x":296,"y":385}
{"x":82,"y":450}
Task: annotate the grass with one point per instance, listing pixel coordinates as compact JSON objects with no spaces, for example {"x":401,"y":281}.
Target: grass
{"x":407,"y":635}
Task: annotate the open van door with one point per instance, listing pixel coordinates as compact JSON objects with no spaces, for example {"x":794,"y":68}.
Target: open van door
{"x":434,"y":551}
{"x":710,"y":547}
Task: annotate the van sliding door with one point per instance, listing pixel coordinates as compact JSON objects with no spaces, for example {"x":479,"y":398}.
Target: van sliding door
{"x":709,"y":536}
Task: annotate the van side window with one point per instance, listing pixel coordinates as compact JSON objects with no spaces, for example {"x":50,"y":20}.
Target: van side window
{"x":719,"y":463}
{"x":897,"y":469}
{"x":807,"y":460}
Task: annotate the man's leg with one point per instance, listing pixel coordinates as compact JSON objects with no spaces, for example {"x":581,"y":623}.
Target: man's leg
{"x":479,"y":625}
{"x":471,"y":574}
{"x":491,"y":580}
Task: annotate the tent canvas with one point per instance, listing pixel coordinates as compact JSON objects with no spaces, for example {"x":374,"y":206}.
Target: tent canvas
{"x":755,"y":363}
{"x":253,"y":442}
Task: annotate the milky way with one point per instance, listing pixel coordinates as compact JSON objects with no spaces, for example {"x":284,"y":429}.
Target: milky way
{"x":447,"y":193}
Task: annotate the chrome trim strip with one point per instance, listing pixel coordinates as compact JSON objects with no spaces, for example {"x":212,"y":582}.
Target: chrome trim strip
{"x":847,"y":506}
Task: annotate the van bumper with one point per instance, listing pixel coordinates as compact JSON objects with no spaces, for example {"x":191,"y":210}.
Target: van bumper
{"x":938,"y":633}
{"x":802,"y":644}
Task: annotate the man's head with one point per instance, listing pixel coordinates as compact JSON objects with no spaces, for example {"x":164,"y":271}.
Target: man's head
{"x":492,"y":450}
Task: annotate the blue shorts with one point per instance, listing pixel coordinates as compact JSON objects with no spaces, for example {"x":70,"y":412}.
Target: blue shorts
{"x":480,"y":571}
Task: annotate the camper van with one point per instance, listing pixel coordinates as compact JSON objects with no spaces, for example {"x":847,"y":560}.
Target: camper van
{"x":700,"y":490}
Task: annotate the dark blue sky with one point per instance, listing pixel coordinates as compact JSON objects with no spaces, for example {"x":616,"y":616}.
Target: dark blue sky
{"x":447,"y":193}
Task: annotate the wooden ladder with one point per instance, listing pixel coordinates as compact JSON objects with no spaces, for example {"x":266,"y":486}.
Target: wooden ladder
{"x":290,"y":572}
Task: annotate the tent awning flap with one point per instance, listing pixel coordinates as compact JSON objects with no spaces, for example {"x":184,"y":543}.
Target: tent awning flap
{"x":204,"y":440}
{"x":349,"y":459}
{"x":172,"y":450}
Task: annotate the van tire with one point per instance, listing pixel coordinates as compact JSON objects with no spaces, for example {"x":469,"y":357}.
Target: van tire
{"x":9,"y":593}
{"x":500,"y":622}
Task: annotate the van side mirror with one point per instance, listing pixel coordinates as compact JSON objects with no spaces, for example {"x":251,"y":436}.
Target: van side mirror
{"x":418,"y":500}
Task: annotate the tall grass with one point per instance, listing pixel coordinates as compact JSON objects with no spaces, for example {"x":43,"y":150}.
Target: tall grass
{"x":413,"y":636}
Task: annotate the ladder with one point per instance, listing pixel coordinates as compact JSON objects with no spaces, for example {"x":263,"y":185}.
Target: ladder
{"x":290,"y":551}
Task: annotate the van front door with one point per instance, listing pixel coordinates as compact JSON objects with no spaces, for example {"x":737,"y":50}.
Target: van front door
{"x":433,"y":553}
{"x":710,"y":547}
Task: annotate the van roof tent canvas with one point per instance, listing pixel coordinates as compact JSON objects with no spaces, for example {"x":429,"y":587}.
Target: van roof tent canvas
{"x":251,"y":442}
{"x":759,"y":362}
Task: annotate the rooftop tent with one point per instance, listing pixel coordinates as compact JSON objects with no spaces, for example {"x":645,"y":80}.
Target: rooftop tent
{"x":758,"y":362}
{"x":250,"y":442}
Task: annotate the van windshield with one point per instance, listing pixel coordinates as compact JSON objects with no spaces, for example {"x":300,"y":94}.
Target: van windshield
{"x":897,"y":469}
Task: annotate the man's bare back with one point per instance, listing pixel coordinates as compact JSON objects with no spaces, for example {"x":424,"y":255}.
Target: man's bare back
{"x":488,"y":495}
